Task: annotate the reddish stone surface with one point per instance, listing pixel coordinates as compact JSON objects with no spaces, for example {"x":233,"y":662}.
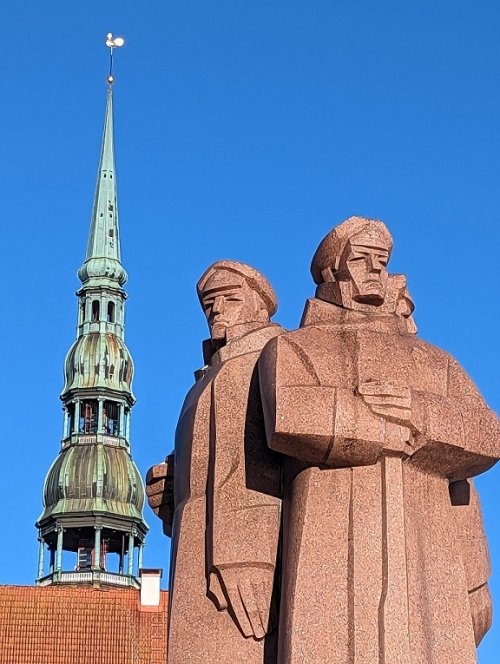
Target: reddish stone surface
{"x":160,"y":492}
{"x":384,"y":562}
{"x":80,"y":625}
{"x":326,"y":474}
{"x":226,"y":485}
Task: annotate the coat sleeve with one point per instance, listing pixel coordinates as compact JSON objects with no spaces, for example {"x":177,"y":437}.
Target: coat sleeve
{"x":473,"y":546}
{"x":244,"y":505}
{"x":472,"y":541}
{"x":316,"y":423}
{"x":461,"y":433}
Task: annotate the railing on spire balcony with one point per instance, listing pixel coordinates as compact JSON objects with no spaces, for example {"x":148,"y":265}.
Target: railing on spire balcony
{"x":90,"y":576}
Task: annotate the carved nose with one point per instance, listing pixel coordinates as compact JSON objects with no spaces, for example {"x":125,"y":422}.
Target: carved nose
{"x":218,"y":307}
{"x":374,"y":264}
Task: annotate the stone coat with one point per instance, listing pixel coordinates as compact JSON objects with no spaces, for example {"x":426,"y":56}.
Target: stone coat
{"x":374,"y":569}
{"x":227,"y":505}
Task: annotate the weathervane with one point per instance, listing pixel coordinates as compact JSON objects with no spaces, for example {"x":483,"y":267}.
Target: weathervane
{"x":112,"y":42}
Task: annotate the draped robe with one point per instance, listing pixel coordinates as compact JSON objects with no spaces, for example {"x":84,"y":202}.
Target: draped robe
{"x":374,"y":569}
{"x":227,"y":505}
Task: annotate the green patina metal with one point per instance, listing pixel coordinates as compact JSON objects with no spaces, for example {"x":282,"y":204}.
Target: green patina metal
{"x":93,"y":493}
{"x":94,"y":477}
{"x":102,"y":262}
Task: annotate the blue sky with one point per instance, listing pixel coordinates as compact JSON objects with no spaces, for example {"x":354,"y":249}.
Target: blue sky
{"x":243,"y":130}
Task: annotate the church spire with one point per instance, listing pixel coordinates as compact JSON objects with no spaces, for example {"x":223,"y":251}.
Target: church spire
{"x":93,"y":493}
{"x":103,"y":262}
{"x":104,"y":237}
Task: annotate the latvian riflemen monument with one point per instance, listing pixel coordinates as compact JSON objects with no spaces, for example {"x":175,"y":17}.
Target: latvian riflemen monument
{"x":320,"y":496}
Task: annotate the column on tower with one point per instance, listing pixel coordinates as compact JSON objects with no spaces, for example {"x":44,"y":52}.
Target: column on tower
{"x":130,"y":554}
{"x":59,"y":550}
{"x":96,"y":563}
{"x":41,"y":556}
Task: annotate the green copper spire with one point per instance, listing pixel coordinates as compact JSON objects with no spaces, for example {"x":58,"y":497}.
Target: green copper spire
{"x":102,"y":262}
{"x":93,"y":493}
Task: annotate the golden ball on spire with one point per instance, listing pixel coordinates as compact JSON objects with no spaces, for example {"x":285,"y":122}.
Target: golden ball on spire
{"x":110,"y":80}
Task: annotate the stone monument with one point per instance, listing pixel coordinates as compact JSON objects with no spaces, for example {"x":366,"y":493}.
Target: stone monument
{"x":220,"y":499}
{"x":384,"y":558}
{"x":328,"y":472}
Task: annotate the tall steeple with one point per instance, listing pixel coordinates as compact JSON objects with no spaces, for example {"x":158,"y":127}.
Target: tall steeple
{"x":93,"y":493}
{"x":102,"y":262}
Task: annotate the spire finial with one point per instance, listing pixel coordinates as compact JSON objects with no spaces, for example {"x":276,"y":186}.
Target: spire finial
{"x":111,"y":43}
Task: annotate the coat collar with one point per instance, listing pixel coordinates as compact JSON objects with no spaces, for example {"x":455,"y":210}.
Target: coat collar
{"x":248,"y":343}
{"x":320,"y":313}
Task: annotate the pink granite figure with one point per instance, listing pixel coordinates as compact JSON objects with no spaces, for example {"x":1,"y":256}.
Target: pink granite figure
{"x":384,"y":561}
{"x":160,"y":492}
{"x":227,"y":505}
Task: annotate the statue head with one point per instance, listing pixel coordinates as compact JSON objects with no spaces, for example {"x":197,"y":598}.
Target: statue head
{"x":350,"y":264}
{"x":235,"y":298}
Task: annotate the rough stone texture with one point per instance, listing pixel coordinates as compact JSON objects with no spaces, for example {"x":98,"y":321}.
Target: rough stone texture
{"x":384,"y":556}
{"x":160,"y":492}
{"x":226,"y":500}
{"x":367,"y":436}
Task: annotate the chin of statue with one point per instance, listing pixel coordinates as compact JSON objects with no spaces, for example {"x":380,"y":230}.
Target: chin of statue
{"x":218,"y":332}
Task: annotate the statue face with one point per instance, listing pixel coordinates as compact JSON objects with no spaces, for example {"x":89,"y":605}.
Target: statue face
{"x":364,"y":264}
{"x":229,"y":301}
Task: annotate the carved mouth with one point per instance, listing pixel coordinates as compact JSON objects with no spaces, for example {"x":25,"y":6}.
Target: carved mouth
{"x":374,"y":299}
{"x":219,"y":320}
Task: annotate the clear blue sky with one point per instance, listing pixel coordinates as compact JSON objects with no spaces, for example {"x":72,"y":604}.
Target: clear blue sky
{"x":243,"y":130}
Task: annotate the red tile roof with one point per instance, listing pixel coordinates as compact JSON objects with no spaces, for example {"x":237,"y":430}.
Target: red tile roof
{"x":80,"y":625}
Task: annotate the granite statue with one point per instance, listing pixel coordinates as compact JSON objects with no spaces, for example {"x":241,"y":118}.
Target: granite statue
{"x":219,"y":494}
{"x":384,"y":554}
{"x":160,"y":492}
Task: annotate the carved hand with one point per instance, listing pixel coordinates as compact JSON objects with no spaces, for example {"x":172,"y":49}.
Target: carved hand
{"x":389,"y":400}
{"x":160,"y":492}
{"x":481,"y":611}
{"x":246,"y":592}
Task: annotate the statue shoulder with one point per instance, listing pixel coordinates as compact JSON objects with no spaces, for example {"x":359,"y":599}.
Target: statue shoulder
{"x":288,"y":357}
{"x":425,"y":353}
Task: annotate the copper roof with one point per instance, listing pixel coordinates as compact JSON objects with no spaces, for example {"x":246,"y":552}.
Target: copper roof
{"x":99,"y":360}
{"x":80,"y":625}
{"x":94,"y":478}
